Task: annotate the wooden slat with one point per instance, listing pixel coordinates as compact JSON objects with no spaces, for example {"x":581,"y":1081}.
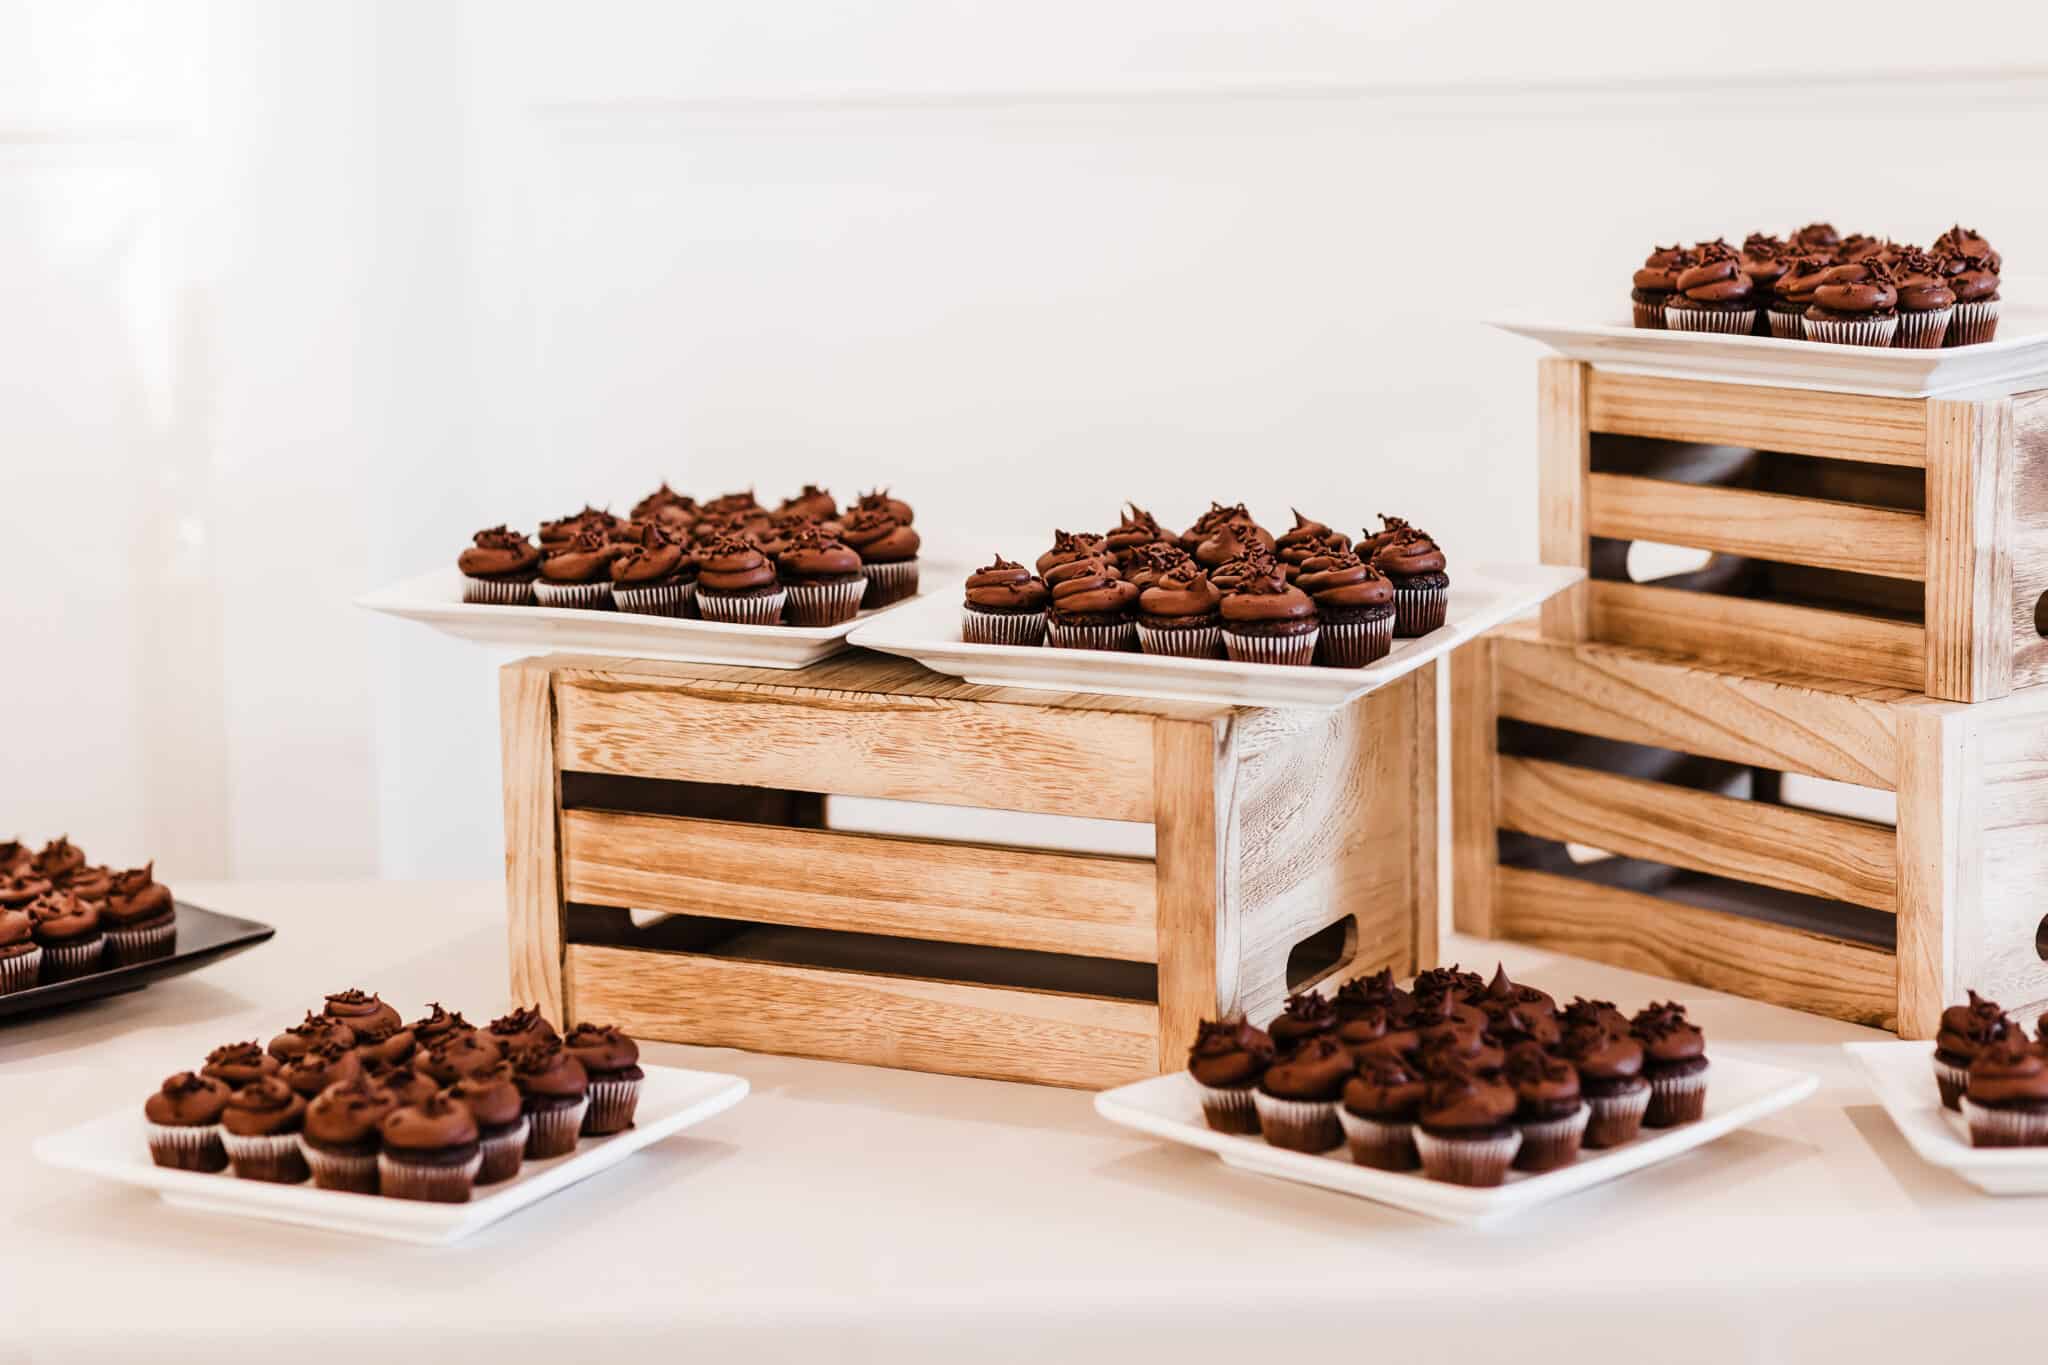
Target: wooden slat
{"x":533,"y":897}
{"x":1424,"y":848}
{"x":1561,"y":468}
{"x":1474,"y":819}
{"x":1840,"y":731}
{"x":1833,"y":535}
{"x":924,"y":1025}
{"x":1812,"y":640}
{"x":1752,"y":841}
{"x":1805,"y":422}
{"x":1938,"y":864}
{"x":1970,"y":467}
{"x":862,"y":883}
{"x":2029,"y":537}
{"x":1721,"y":952}
{"x":1188,"y":848}
{"x":906,"y":748}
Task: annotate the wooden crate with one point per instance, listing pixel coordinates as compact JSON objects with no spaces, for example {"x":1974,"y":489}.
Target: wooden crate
{"x":1886,"y":540}
{"x":1289,"y":846}
{"x":1676,"y":766}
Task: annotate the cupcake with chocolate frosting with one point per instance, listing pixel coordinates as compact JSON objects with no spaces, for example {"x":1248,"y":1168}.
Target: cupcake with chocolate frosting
{"x":260,"y":1130}
{"x":1266,"y":619}
{"x":1465,"y":1131}
{"x":1817,"y":238}
{"x":1611,"y":1078}
{"x":1297,"y":1097}
{"x":1965,"y":1031}
{"x":1209,"y":523}
{"x":69,"y":932}
{"x":556,"y":1094}
{"x":140,"y":919}
{"x":1137,"y":529}
{"x":464,"y":1054}
{"x":1306,"y":1015}
{"x":15,"y":856}
{"x":315,"y":1030}
{"x":654,"y":573}
{"x":1234,"y":539}
{"x":499,"y":567}
{"x":1792,"y":295}
{"x":524,"y":1026}
{"x":736,"y":583}
{"x":1414,"y":564}
{"x":1379,"y":1107}
{"x":1004,"y":605}
{"x":21,"y":887}
{"x":1763,"y":258}
{"x":554,"y":534}
{"x":93,"y":882}
{"x":1674,"y":1063}
{"x":1714,"y":295}
{"x":1855,"y":304}
{"x":354,"y":1006}
{"x":59,"y":859}
{"x":611,"y":1065}
{"x":2006,"y":1103}
{"x":21,"y":957}
{"x":1227,"y":1060}
{"x":379,"y":1042}
{"x":882,"y":500}
{"x":1091,"y":606}
{"x":1859,"y":246}
{"x":313,"y":1070}
{"x":1355,"y":604}
{"x":1548,"y":1108}
{"x":500,"y":1112}
{"x":340,"y":1138}
{"x":1179,"y":616}
{"x":429,"y":1151}
{"x":1926,"y":303}
{"x":1361,"y":993}
{"x":183,"y":1115}
{"x":577,"y":572}
{"x":824,"y":577}
{"x":1148,"y":564}
{"x":1974,"y":282}
{"x":888,"y":548}
{"x":1962,"y":241}
{"x":814,"y":502}
{"x":1307,"y":539}
{"x":1068,"y":546}
{"x":238,"y":1064}
{"x":438,"y":1025}
{"x":681,"y":508}
{"x":1656,"y":280}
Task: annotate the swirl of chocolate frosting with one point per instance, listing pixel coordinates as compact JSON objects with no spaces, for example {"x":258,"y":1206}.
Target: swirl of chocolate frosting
{"x":1520,"y":1023}
{"x":879,"y":500}
{"x":1137,"y":528}
{"x":137,"y":896}
{"x":584,"y":558}
{"x":61,"y":917}
{"x":313,"y":1070}
{"x":1410,"y":552}
{"x":1263,"y":594}
{"x":19,"y":889}
{"x":1006,"y":586}
{"x":1858,"y":246}
{"x":1083,"y":567}
{"x":1317,"y":1070}
{"x":15,"y":856}
{"x":407,"y":1083}
{"x":1147,"y":564}
{"x":525,"y":1024}
{"x":1338,"y":578}
{"x":1540,"y":1080}
{"x":1962,"y":241}
{"x":17,"y":933}
{"x":566,"y":529}
{"x":1378,"y":990}
{"x":499,"y":550}
{"x":1459,"y":1101}
{"x":449,"y":1060}
{"x":263,"y":1108}
{"x":315,"y":1030}
{"x":649,"y":563}
{"x":1603,"y":1055}
{"x":1502,"y":993}
{"x":438,"y":1024}
{"x":733,"y":563}
{"x":186,"y":1101}
{"x":1232,"y":540}
{"x":1209,"y":521}
{"x":881,"y":537}
{"x":1817,"y":237}
{"x":601,"y":1048}
{"x":237,"y":1064}
{"x":1090,"y":586}
{"x":2011,"y":1071}
{"x":352,"y":1006}
{"x":90,"y":883}
{"x":1305,"y":1015}
{"x":1307,"y":538}
{"x":1968,"y":1029}
{"x":1764,"y":259}
{"x":1452,"y":981}
{"x":545,"y":1070}
{"x":1803,"y":274}
{"x":379,"y":1042}
{"x":59,"y":858}
{"x":1068,"y":546}
{"x":1973,"y":278}
{"x":1659,"y":271}
{"x":735,"y":506}
{"x":1860,"y":287}
{"x":1666,"y":1034}
{"x":1600,"y":1014}
{"x":1919,"y":280}
{"x":436,"y":1123}
{"x":1387,"y":1087}
{"x":1449,"y":1048}
{"x":813,"y":502}
{"x":492,"y":1096}
{"x":348,"y":1112}
{"x":813,"y":554}
{"x":650,"y":507}
{"x":1717,"y":277}
{"x":1181,"y":591}
{"x":1229,"y":1052}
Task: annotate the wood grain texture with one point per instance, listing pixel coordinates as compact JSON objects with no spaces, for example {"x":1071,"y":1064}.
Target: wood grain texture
{"x":1075,"y":903}
{"x":1817,"y":726}
{"x":2029,"y":536}
{"x":1721,"y":952}
{"x":533,"y":893}
{"x":1841,"y":426}
{"x":1188,"y":849}
{"x":1562,"y":464}
{"x":2001,"y":855}
{"x":1936,"y":863}
{"x":1812,"y":640}
{"x":1475,"y":822}
{"x":1970,"y":464}
{"x":924,"y":1025}
{"x":1741,"y":521}
{"x":1425,"y":852}
{"x":1751,"y":841}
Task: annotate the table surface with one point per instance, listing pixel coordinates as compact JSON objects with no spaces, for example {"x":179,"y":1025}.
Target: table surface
{"x":854,"y":1213}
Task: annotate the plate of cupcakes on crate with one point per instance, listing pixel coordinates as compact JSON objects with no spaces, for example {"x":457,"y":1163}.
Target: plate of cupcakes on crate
{"x":1822,"y":310}
{"x":1973,"y":1101}
{"x":74,"y":930}
{"x":356,"y":1121}
{"x":1459,"y":1098}
{"x":728,"y":580}
{"x":1225,"y":611}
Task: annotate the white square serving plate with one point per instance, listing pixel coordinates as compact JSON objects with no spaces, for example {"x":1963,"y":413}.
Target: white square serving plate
{"x":116,"y":1147}
{"x":1739,"y":1092}
{"x":1902,"y":1075}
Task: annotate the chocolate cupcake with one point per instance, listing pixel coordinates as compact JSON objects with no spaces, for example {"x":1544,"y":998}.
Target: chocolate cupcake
{"x":1855,"y":304}
{"x":1764,"y":259}
{"x":140,"y":919}
{"x":59,"y":859}
{"x":500,"y":1112}
{"x":21,"y":957}
{"x":577,"y":572}
{"x":1005,"y":605}
{"x":1179,"y":616}
{"x":313,"y":1070}
{"x":1962,"y":241}
{"x":824,"y":577}
{"x":1227,"y":1060}
{"x":1974,"y":282}
{"x":260,"y":1130}
{"x":465,"y":1054}
{"x":1305,"y":541}
{"x":499,"y":568}
{"x":2006,"y":1103}
{"x":654,"y":573}
{"x":1926,"y":303}
{"x":1297,"y":1097}
{"x":1091,"y":607}
{"x":736,"y":583}
{"x":68,"y":930}
{"x":1600,"y":1014}
{"x":1465,"y":1132}
{"x":1306,"y":1015}
{"x":1137,"y":529}
{"x":1361,"y":993}
{"x":1611,"y":1078}
{"x":1379,"y":1108}
{"x":1714,"y":295}
{"x":555,"y":534}
{"x":611,"y":1066}
{"x":523,"y":1027}
{"x":354,"y":1006}
{"x":681,"y":510}
{"x":888,"y":548}
{"x":1674,"y":1063}
{"x":184,"y":1123}
{"x":1965,"y":1031}
{"x":1355,"y":606}
{"x":1068,"y":546}
{"x":381,"y":1043}
{"x":438,"y":1025}
{"x":1208,"y":523}
{"x":1266,"y":619}
{"x":315,"y":1030}
{"x":880,"y":500}
{"x":340,"y":1138}
{"x":1414,"y":564}
{"x":1548,"y":1108}
{"x":556,"y":1092}
{"x":815,"y":503}
{"x":18,"y":889}
{"x":1656,"y":280}
{"x":429,"y":1151}
{"x":1793,"y":295}
{"x":238,"y":1064}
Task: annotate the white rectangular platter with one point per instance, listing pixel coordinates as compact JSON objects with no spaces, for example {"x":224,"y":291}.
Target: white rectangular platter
{"x":1738,"y":1093}
{"x":2016,"y":361}
{"x":929,"y":632}
{"x":1902,"y":1075}
{"x":435,"y":599}
{"x":115,"y":1147}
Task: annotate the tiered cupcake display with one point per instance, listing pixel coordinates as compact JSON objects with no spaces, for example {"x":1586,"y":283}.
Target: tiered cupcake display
{"x":62,"y":916}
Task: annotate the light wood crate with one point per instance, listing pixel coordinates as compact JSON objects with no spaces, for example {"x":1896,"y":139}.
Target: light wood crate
{"x":1886,"y":540}
{"x":1715,"y":880}
{"x":697,"y":791}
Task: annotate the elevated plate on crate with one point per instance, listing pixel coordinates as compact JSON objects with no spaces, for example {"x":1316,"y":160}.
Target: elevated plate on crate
{"x":2016,"y":361}
{"x":1739,"y":1093}
{"x":1902,"y":1075}
{"x":435,"y":599}
{"x":115,"y":1148}
{"x":929,"y":632}
{"x":203,"y":936}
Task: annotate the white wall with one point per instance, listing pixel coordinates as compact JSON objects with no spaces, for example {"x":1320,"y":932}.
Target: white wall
{"x":298,"y":296}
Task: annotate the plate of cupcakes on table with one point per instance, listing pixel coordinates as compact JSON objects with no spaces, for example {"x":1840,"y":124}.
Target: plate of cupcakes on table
{"x":355,"y":1120}
{"x":727,"y":580}
{"x":1457,"y":1097}
{"x":1224,"y":611}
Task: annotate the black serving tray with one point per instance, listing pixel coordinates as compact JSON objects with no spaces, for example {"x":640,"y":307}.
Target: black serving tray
{"x":203,"y":936}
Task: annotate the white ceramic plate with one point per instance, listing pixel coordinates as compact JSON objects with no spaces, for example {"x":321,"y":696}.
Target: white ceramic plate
{"x":1738,"y":1093}
{"x":116,"y":1147}
{"x":2013,"y":363}
{"x":1902,"y":1074}
{"x":929,"y":632}
{"x":435,"y":599}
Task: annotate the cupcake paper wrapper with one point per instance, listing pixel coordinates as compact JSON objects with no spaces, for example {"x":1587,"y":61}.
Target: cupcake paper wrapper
{"x":1354,"y":644}
{"x":2005,"y":1127}
{"x":612,"y":1103}
{"x":502,"y":1153}
{"x":1733,"y":322}
{"x":141,"y":945}
{"x":21,"y":972}
{"x":187,"y":1148}
{"x":1298,"y":1125}
{"x":492,"y":593}
{"x":1676,"y":1099}
{"x":890,"y":583}
{"x":1649,"y":316}
{"x":765,"y":610}
{"x":553,"y":1132}
{"x":1468,"y":1160}
{"x":1418,"y":611}
{"x":1922,"y":331}
{"x":398,"y":1178}
{"x":1382,"y":1146}
{"x":354,"y":1174}
{"x":1952,"y":1081}
{"x":664,"y":599}
{"x":588,"y":596}
{"x":274,"y":1157}
{"x":1229,"y":1109}
{"x":1788,"y":326}
{"x":824,"y":604}
{"x":1852,"y":331}
{"x":1972,"y":323}
{"x":1002,"y":627}
{"x":61,"y":962}
{"x":1297,"y":650}
{"x":1193,"y":642}
{"x":1117,"y":636}
{"x":1616,"y":1118}
{"x":1550,"y":1143}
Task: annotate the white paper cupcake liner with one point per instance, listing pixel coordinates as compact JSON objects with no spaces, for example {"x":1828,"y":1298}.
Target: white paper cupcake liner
{"x":62,"y":961}
{"x":494,"y":592}
{"x":890,"y":583}
{"x":1477,"y":1161}
{"x":1022,"y":628}
{"x":662,"y":599}
{"x":1923,"y":331}
{"x":1298,"y":1125}
{"x":1190,"y":642}
{"x":2005,"y":1127}
{"x":1616,"y":1118}
{"x":502,"y":1153}
{"x":553,"y":1132}
{"x":187,"y":1147}
{"x":1648,"y":316}
{"x":353,"y":1173}
{"x":1116,"y":636}
{"x":762,"y":610}
{"x":1788,"y":326}
{"x":1418,"y":611}
{"x":1951,"y":1081}
{"x":22,"y":971}
{"x":1852,"y":331}
{"x":823,"y":604}
{"x":141,"y":945}
{"x":1290,"y":650}
{"x":1732,"y":321}
{"x":587,"y":596}
{"x":398,"y":1178}
{"x":1229,"y":1108}
{"x":1973,"y":323}
{"x":1676,"y":1099}
{"x":273,"y":1157}
{"x":1354,"y":644}
{"x":613,"y":1101}
{"x":1378,"y":1144}
{"x":1550,"y":1143}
